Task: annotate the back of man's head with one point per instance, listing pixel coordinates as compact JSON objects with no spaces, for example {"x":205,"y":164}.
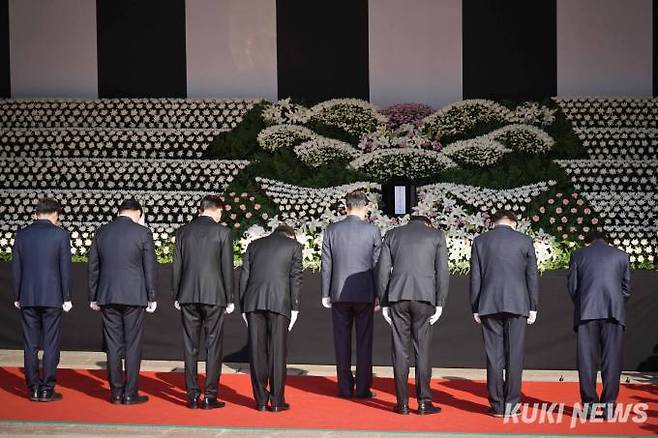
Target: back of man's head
{"x":47,"y":206}
{"x":504,"y":216}
{"x":594,"y":235}
{"x":422,"y":219}
{"x":355,"y":200}
{"x":130,"y":205}
{"x":286,"y":230}
{"x":211,"y":202}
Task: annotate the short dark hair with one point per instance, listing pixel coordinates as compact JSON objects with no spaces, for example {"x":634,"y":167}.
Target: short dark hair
{"x":48,"y":206}
{"x":503,"y":214}
{"x":285,"y":229}
{"x":423,"y":219}
{"x":211,"y":202}
{"x":130,"y":204}
{"x":595,"y":234}
{"x":356,"y":199}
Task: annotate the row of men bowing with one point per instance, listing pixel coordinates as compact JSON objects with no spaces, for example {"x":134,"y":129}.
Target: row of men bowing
{"x":405,"y":274}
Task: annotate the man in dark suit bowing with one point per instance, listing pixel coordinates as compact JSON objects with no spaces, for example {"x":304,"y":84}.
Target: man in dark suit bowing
{"x":412,"y":284}
{"x":270,"y":291}
{"x":203,"y":292}
{"x":350,"y":249}
{"x":599,"y":283}
{"x":41,"y":268}
{"x":122,"y":284}
{"x":504,"y":294}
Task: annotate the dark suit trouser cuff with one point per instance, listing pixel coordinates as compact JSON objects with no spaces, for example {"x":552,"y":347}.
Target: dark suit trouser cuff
{"x":41,"y":323}
{"x":209,"y":319}
{"x":268,"y":347}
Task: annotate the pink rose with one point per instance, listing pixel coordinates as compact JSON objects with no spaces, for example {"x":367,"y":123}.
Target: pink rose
{"x":233,"y":216}
{"x":542,"y":210}
{"x":565,"y":201}
{"x":256,"y":206}
{"x":574,"y":210}
{"x":227,"y":207}
{"x":551,"y":220}
{"x":243,"y":207}
{"x":558,"y":210}
{"x":595,"y":221}
{"x":587,"y":211}
{"x":551,"y":201}
{"x":265,"y":216}
{"x":535,"y":218}
{"x":579,"y":220}
{"x":564,"y":219}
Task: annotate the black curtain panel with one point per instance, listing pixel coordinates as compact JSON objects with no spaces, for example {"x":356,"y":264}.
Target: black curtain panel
{"x":655,"y":48}
{"x":456,"y":338}
{"x":5,"y":77}
{"x":322,"y":49}
{"x":509,"y":49}
{"x":141,"y":48}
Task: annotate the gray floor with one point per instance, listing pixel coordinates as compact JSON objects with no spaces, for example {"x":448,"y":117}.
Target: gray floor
{"x":84,"y":430}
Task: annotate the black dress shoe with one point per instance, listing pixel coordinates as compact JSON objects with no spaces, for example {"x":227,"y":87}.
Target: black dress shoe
{"x":261,"y":408}
{"x":342,"y":395}
{"x":427,"y":408}
{"x":280,"y":408}
{"x":212,"y":403}
{"x":367,"y":395}
{"x":34,"y":395}
{"x":495,"y":413}
{"x":135,"y":399}
{"x":117,"y":399}
{"x":401,"y":409}
{"x":49,"y":395}
{"x":193,"y":402}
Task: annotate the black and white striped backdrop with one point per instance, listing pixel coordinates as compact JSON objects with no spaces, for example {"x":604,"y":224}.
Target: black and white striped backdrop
{"x":388,"y":51}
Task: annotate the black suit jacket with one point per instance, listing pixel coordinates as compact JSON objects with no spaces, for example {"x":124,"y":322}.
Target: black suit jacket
{"x":41,"y":265}
{"x":203,"y":263}
{"x":122,"y":266}
{"x":271,"y":276}
{"x":503,"y":273}
{"x":413,"y":265}
{"x":599,"y":282}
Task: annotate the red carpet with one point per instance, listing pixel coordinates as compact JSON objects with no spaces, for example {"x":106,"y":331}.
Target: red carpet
{"x":313,"y":404}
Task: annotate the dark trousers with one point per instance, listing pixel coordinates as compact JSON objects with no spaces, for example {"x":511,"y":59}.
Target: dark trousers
{"x":344,"y":315}
{"x":604,"y":339}
{"x":122,"y":329}
{"x":210,"y":319}
{"x":268,"y":347}
{"x":504,"y":344}
{"x":411,"y":323}
{"x":41,"y":326}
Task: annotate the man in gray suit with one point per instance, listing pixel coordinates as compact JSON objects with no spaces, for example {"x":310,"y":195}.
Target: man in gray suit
{"x":270,"y":291}
{"x":413,"y":280}
{"x":599,"y":283}
{"x":350,"y":249}
{"x":504,"y":294}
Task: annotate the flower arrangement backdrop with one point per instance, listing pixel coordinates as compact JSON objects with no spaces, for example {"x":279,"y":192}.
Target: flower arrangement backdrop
{"x":564,"y":165}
